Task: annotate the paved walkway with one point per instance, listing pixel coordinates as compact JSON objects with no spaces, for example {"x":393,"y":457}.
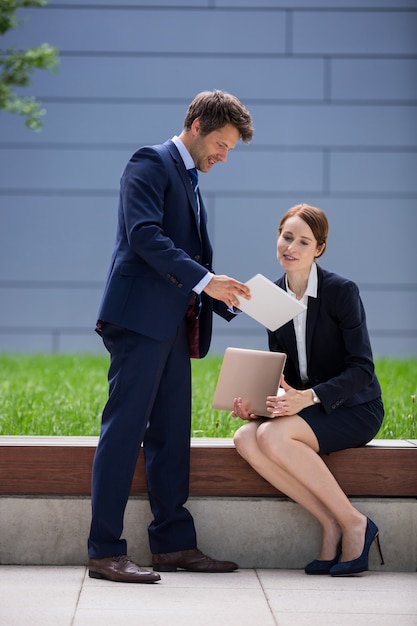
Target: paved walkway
{"x":66,"y":596}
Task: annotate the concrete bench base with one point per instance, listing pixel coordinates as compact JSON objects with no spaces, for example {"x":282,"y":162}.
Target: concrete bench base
{"x":254,"y":532}
{"x":45,"y":504}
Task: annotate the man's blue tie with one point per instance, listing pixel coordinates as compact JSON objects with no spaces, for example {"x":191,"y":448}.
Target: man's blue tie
{"x":194,"y":181}
{"x":196,"y":301}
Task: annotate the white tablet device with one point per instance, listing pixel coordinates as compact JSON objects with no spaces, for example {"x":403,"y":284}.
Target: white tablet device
{"x":270,"y":305}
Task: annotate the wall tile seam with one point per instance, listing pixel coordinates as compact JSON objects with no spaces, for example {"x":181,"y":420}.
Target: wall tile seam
{"x":60,"y":192}
{"x":213,"y":8}
{"x":242,"y":54}
{"x":314,"y":193}
{"x":47,"y":285}
{"x":324,"y":150}
{"x":147,"y":7}
{"x":326,"y":101}
{"x":24,"y":284}
{"x":83,"y":329}
{"x":88,"y":330}
{"x":326,"y":173}
{"x":221,"y":194}
{"x":392,"y":148}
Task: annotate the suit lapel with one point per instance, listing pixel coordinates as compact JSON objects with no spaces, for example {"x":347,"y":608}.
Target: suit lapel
{"x":185,"y":177}
{"x":291,"y":340}
{"x":312,"y":314}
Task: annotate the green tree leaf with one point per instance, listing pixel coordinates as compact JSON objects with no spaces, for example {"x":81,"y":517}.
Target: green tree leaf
{"x":17,"y":66}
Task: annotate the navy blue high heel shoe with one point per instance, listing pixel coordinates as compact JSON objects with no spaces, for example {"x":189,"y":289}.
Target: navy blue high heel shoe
{"x":320,"y":568}
{"x":347,"y":568}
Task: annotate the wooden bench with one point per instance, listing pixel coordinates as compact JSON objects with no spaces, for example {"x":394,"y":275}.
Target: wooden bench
{"x":61,"y":466}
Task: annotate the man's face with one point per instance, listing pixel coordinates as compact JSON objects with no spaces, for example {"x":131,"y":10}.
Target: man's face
{"x":207,"y":150}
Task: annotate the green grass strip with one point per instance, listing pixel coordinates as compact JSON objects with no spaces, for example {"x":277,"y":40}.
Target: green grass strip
{"x":65,"y":394}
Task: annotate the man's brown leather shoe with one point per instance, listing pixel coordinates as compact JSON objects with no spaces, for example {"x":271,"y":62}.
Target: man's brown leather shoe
{"x":120,"y":569}
{"x":190,"y":560}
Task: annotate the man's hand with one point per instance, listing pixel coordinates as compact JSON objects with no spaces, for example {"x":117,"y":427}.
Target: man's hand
{"x":227,"y":289}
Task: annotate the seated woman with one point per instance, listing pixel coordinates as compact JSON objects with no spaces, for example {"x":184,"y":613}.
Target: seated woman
{"x":331,"y":396}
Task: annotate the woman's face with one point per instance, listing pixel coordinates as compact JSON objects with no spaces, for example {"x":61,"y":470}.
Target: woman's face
{"x":296,"y":247}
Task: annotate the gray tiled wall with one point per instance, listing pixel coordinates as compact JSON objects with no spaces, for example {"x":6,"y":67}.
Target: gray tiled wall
{"x":332,"y":86}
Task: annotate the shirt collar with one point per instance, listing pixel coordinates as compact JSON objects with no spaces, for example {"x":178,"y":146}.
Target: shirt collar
{"x":311,"y":285}
{"x":185,"y":155}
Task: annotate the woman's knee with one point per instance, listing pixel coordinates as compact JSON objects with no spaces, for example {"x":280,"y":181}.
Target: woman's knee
{"x":271,"y":437}
{"x":245,"y":439}
{"x":276,"y":436}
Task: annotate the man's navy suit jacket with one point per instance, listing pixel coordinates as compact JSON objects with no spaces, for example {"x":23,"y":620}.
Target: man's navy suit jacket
{"x":160,"y":253}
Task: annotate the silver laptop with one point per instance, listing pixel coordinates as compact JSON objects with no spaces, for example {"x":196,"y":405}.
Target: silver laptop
{"x":251,"y":375}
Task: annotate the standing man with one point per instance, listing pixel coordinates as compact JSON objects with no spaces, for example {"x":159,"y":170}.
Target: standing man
{"x":155,"y":313}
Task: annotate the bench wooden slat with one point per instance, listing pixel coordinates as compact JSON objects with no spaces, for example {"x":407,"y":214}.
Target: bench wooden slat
{"x":216,"y":470}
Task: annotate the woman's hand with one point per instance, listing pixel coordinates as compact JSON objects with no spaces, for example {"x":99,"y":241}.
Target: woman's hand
{"x":288,"y":403}
{"x":239,"y":410}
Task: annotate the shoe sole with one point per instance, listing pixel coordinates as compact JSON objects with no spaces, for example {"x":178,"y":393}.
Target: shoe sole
{"x":175,"y":568}
{"x":93,"y":574}
{"x":165,"y":568}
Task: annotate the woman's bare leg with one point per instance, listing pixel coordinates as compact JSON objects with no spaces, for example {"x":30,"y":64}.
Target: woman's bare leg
{"x":247,"y":446}
{"x":284,"y":452}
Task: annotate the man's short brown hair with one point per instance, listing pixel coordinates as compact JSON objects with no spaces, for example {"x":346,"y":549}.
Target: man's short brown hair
{"x":215,"y":109}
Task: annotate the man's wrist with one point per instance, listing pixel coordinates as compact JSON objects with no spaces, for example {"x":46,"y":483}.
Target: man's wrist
{"x":202,"y":284}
